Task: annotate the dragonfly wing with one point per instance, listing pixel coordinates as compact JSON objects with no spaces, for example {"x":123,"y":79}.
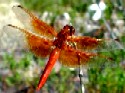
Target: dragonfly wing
{"x":73,"y":58}
{"x":33,"y":24}
{"x":11,"y":39}
{"x":38,"y":45}
{"x":87,"y":43}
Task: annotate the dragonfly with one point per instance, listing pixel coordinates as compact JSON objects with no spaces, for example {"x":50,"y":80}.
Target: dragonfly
{"x":44,"y":41}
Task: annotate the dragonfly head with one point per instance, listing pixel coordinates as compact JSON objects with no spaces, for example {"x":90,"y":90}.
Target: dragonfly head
{"x":68,"y":30}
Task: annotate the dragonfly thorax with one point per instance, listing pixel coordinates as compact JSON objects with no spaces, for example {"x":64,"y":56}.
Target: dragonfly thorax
{"x":63,"y":35}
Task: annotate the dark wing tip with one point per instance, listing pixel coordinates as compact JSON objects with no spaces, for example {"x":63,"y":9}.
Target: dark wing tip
{"x":17,"y":6}
{"x":9,"y":25}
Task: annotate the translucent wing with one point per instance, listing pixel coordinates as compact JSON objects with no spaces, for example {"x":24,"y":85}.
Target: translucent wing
{"x":11,"y":39}
{"x":87,"y":43}
{"x":21,"y":37}
{"x":73,"y":58}
{"x":33,"y":24}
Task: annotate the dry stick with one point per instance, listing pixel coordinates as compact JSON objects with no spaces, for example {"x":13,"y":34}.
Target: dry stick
{"x":80,"y":77}
{"x":80,"y":74}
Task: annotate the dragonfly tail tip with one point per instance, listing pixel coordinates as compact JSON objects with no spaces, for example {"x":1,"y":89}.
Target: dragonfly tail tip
{"x":38,"y":88}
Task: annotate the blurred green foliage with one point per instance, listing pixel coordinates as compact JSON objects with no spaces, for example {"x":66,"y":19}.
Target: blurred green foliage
{"x":54,"y":6}
{"x":16,"y":67}
{"x":60,"y":81}
{"x":108,"y":80}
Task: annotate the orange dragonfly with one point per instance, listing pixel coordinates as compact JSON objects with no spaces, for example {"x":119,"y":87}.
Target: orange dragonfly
{"x":44,"y":41}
